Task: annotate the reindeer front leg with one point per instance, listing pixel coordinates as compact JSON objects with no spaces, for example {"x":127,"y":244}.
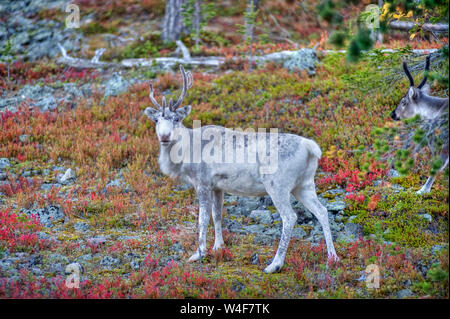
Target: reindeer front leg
{"x":204,"y":197}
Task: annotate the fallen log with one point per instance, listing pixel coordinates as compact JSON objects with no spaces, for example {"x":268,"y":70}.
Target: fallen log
{"x":408,"y":25}
{"x":169,"y":62}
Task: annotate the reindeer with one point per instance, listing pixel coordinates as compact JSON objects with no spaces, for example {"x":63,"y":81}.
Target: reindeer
{"x":297,"y":159}
{"x":417,"y":101}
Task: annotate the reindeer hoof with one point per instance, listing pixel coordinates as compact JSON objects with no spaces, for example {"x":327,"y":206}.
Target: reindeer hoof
{"x":217,"y":247}
{"x":272,"y":268}
{"x":333,"y":258}
{"x":195,"y":257}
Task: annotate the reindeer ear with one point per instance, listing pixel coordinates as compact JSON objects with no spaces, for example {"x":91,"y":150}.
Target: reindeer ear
{"x":184,"y":111}
{"x":151,"y":113}
{"x":412,"y":93}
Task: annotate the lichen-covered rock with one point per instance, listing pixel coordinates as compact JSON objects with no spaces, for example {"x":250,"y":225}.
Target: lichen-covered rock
{"x":262,"y":216}
{"x":116,"y":85}
{"x":47,"y":215}
{"x":303,"y":59}
{"x":4,"y":163}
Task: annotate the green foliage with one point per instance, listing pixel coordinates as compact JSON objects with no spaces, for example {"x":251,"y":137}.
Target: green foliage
{"x":7,"y":55}
{"x":191,"y":21}
{"x":96,"y":28}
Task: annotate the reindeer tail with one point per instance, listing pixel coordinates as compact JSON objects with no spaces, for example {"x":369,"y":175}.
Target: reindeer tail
{"x":312,"y":147}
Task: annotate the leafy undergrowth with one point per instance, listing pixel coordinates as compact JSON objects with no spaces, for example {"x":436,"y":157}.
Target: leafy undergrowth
{"x":103,"y":139}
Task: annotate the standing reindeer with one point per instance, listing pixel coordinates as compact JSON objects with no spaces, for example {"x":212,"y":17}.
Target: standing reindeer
{"x":297,"y":159}
{"x":418,"y":102}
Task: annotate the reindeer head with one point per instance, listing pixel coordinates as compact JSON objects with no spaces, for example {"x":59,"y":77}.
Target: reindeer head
{"x":169,"y":118}
{"x":412,"y":103}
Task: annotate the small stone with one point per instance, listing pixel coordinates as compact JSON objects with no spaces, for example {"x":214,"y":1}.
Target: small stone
{"x":404,"y":293}
{"x":67,"y":176}
{"x":254,"y":259}
{"x":48,"y":187}
{"x":81,"y":227}
{"x":393,"y":173}
{"x":262,"y":216}
{"x":353,"y":229}
{"x":109,"y":262}
{"x":427,"y":217}
{"x":298,"y":232}
{"x":116,"y":85}
{"x":273,"y":232}
{"x":254,"y":229}
{"x":4,"y":163}
{"x":336,"y":206}
{"x":24,"y":138}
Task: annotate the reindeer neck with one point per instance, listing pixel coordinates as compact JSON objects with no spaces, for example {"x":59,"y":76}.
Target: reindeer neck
{"x":166,"y":164}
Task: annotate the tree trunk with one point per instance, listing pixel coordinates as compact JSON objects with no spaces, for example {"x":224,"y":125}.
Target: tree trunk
{"x":249,"y":26}
{"x":173,"y":20}
{"x":197,"y":21}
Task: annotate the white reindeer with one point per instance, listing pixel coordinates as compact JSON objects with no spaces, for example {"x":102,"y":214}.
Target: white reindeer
{"x":417,"y":101}
{"x":297,"y":159}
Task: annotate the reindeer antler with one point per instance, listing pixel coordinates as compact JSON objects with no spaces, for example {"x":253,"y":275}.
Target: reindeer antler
{"x":187,"y":84}
{"x":427,"y":68}
{"x":155,"y":103}
{"x":405,"y":68}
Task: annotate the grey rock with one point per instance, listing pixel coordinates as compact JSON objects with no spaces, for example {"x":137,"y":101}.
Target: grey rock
{"x":427,"y":217}
{"x":47,"y":215}
{"x":254,"y":229}
{"x":67,"y":177}
{"x":109,"y":262}
{"x":261,"y":239}
{"x":261,"y":216}
{"x":303,"y":59}
{"x":57,"y":258}
{"x":24,"y":138}
{"x":232,"y":225}
{"x":4,"y":163}
{"x":177,"y":248}
{"x":48,"y":187}
{"x":437,"y":248}
{"x":47,"y":103}
{"x":255,"y":259}
{"x":273,"y":232}
{"x":336,"y":206}
{"x":276,"y":216}
{"x":116,"y":85}
{"x":84,"y":259}
{"x":393,"y":173}
{"x":353,"y":229}
{"x":404,"y":293}
{"x":81,"y":227}
{"x":135,"y":264}
{"x":72,"y":89}
{"x":298,"y":232}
